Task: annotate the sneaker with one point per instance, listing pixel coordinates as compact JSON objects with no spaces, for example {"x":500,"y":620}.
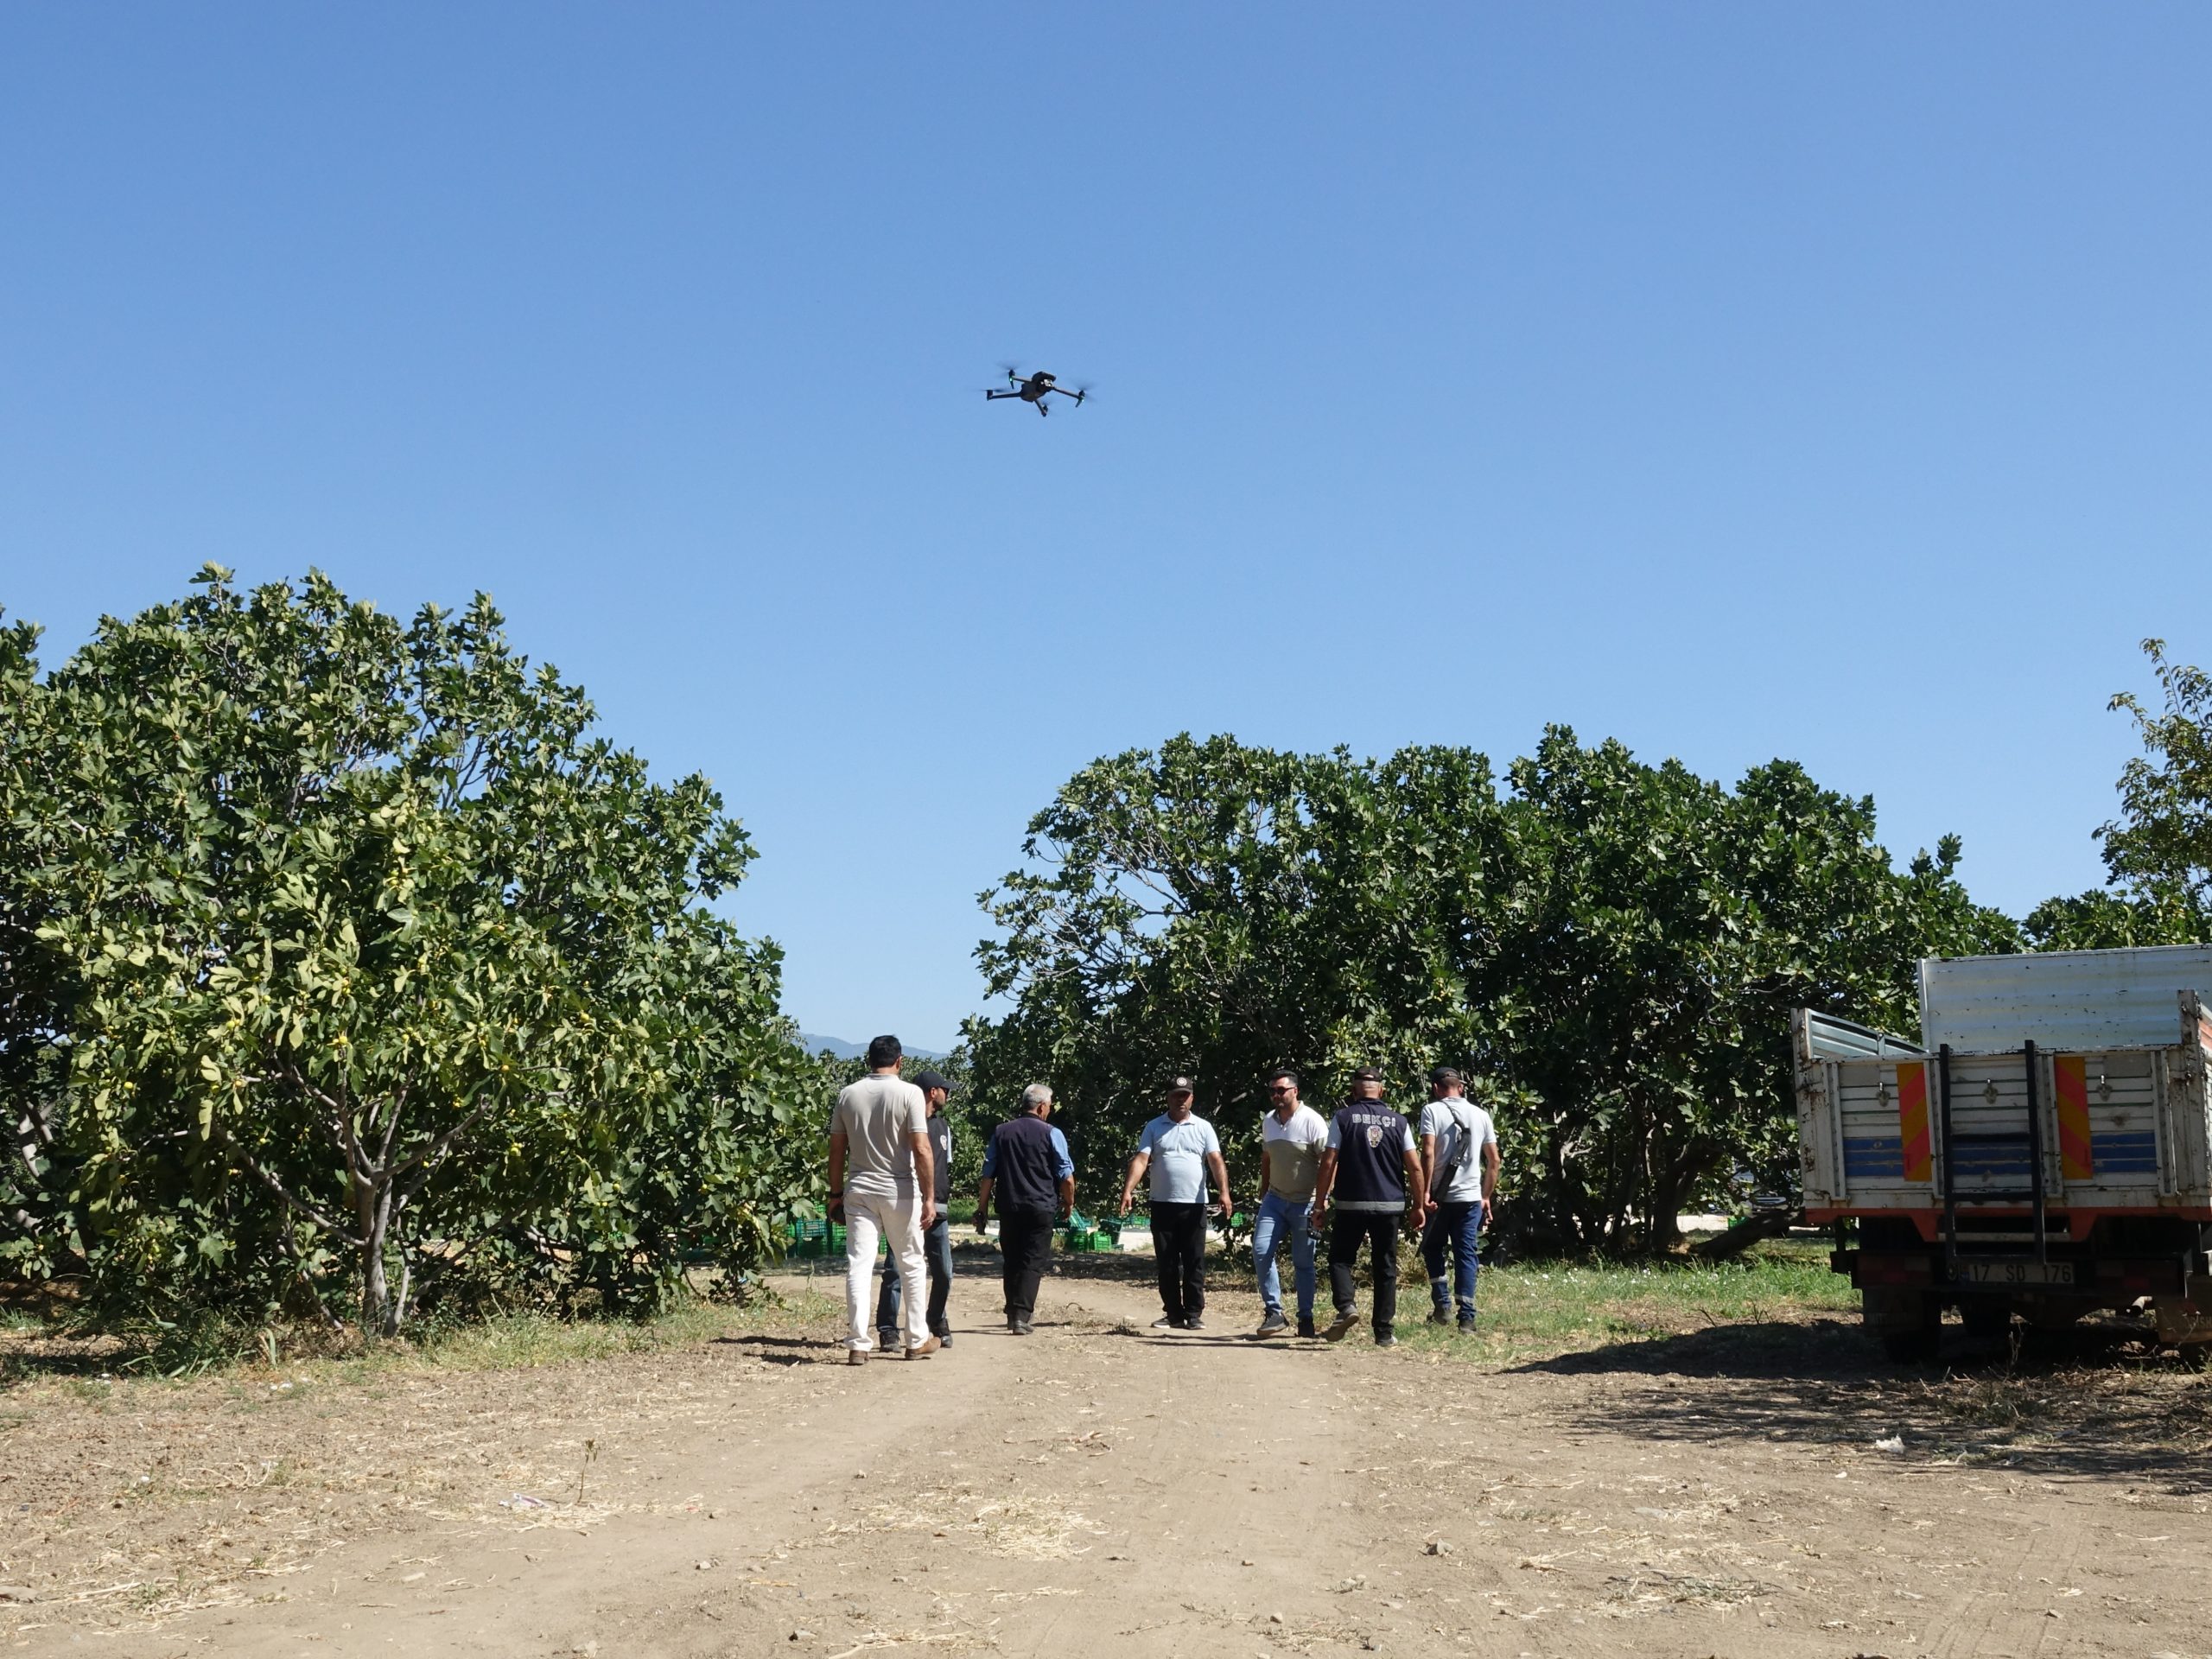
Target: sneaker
{"x":1341,"y":1325}
{"x":1440,"y":1314}
{"x":1194,"y":1323}
{"x":1385,"y":1339}
{"x":855,"y":1356}
{"x":944,"y":1338}
{"x":924,"y":1350}
{"x":1167,"y":1322}
{"x":1306,"y":1327}
{"x":1273,"y":1325}
{"x":888,"y":1338}
{"x":1466,"y":1324}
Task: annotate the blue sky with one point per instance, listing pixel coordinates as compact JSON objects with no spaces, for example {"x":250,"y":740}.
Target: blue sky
{"x":1735,"y":380}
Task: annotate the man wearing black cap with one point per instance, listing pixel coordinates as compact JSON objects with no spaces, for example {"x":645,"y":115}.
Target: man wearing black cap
{"x":1180,"y":1149}
{"x":937,"y":1238}
{"x":1372,"y":1170}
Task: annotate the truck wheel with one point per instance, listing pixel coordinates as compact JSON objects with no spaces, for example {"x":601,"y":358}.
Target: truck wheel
{"x":1987,"y":1319}
{"x":1908,"y":1323}
{"x":1909,"y":1347}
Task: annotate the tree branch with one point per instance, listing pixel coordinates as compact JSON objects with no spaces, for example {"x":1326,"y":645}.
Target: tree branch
{"x":254,"y":1167}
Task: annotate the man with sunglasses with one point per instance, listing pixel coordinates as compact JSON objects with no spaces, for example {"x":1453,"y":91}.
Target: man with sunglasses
{"x":1292,"y":1139}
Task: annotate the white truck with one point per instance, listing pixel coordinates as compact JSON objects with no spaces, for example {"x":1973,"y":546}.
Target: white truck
{"x":2045,"y":1149}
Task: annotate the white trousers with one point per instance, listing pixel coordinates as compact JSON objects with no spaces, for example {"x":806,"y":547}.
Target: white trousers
{"x":899,"y":1222}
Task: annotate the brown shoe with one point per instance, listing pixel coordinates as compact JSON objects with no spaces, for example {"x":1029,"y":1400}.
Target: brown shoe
{"x":924,"y":1350}
{"x":855,"y":1356}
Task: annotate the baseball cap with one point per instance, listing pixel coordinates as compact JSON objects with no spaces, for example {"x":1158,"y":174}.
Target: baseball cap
{"x":1180,"y":1085}
{"x":1367,"y":1074}
{"x":926,"y":1081}
{"x":1445,"y":1074}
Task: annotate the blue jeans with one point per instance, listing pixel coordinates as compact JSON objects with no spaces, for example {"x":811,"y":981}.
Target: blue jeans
{"x":937,"y":1251}
{"x":1281,"y":1218}
{"x":1455,"y":1227}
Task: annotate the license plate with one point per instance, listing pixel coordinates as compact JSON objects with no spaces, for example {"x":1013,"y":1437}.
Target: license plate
{"x":2014,"y":1273}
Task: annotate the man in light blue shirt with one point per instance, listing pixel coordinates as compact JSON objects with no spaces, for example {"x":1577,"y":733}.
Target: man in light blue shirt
{"x":1180,"y":1149}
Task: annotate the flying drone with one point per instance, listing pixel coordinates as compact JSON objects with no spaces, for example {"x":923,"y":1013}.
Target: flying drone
{"x":1032,"y":389}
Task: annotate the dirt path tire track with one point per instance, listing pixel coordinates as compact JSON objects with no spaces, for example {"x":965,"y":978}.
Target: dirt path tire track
{"x":1098,"y":1489}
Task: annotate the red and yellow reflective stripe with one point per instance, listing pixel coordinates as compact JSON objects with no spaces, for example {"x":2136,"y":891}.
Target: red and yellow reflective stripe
{"x":2069,"y":1076}
{"x":1912,"y":1120}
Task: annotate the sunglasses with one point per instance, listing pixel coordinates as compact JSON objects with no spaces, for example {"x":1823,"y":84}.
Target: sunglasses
{"x":1281,"y":1088}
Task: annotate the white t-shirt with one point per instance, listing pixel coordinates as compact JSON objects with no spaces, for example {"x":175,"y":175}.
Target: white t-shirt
{"x":1453,"y":1122}
{"x":1293,"y":1151}
{"x":1179,"y":1154}
{"x":878,"y":1116}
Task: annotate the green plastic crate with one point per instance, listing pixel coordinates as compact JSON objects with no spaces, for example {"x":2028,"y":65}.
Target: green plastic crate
{"x":815,"y":1238}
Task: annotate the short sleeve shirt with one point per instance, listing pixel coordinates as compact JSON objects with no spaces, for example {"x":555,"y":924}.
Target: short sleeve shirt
{"x":1336,"y":1136}
{"x":876,"y":1115}
{"x":1179,"y":1158}
{"x":1293,"y":1151}
{"x":1456,"y":1123}
{"x":1343,"y":1198}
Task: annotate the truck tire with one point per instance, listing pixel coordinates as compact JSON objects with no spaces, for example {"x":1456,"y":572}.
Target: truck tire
{"x":1908,"y":1323}
{"x":1987,"y":1319}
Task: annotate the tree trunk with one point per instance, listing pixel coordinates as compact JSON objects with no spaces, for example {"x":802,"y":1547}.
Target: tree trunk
{"x":374,"y":1204}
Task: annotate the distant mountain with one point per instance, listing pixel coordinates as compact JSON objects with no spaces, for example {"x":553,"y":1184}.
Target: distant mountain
{"x":813,"y":1043}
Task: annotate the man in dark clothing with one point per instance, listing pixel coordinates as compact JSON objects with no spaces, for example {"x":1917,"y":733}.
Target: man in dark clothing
{"x":1027,"y":1169}
{"x":1372,"y":1169}
{"x":937,"y":1237}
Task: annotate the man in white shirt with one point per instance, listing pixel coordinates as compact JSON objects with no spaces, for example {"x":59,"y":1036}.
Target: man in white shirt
{"x":1179,"y":1148}
{"x":1458,"y":1150}
{"x":1292,"y":1139}
{"x":882,"y":1184}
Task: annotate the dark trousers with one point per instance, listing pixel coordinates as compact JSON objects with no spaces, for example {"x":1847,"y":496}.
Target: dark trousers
{"x":1378,"y":1230}
{"x":1456,"y":1230}
{"x":1178,"y":1244}
{"x":936,"y":1248}
{"x":1026,"y":1242}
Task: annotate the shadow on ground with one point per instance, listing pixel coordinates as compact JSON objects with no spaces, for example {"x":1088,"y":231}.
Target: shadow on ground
{"x":2091,"y":1404}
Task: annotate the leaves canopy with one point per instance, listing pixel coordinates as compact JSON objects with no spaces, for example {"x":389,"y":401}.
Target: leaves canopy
{"x":343,"y":966}
{"x":1610,"y":949}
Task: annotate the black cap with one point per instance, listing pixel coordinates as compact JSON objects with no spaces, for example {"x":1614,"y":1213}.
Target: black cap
{"x":1367,"y":1074}
{"x":926,"y":1081}
{"x":1180,"y":1085}
{"x":1445,"y":1074}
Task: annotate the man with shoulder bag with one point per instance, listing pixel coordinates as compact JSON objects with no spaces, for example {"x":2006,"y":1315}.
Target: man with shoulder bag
{"x":1459,"y":1153}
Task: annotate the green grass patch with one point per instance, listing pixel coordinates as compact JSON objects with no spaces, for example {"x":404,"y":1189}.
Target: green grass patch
{"x":1537,"y":1310}
{"x":508,"y":1342}
{"x":518,"y":1341}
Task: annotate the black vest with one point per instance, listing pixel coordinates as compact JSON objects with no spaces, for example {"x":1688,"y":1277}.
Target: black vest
{"x":1370,"y":1155}
{"x":941,"y":1155}
{"x":1026,"y":1172}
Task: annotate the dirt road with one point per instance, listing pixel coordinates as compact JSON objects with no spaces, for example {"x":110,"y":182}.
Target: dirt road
{"x":1097,"y":1488}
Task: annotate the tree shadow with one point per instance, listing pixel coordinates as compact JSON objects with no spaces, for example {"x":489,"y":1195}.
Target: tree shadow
{"x":2089,"y":1403}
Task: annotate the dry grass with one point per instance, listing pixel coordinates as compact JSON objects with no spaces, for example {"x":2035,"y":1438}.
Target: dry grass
{"x":127,"y":1499}
{"x":1039,"y":1528}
